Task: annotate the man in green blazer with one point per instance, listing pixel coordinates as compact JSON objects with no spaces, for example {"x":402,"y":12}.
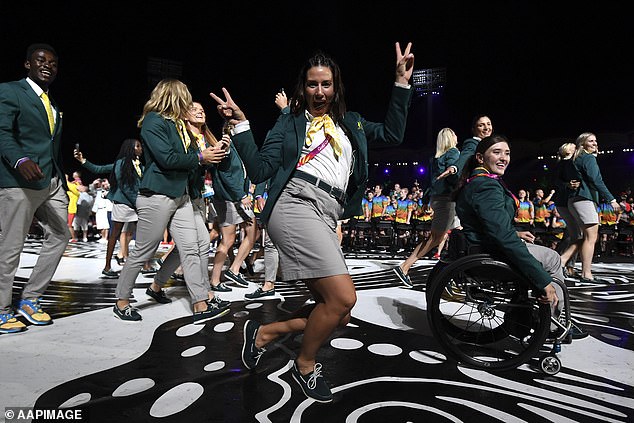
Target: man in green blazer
{"x":32,"y":184}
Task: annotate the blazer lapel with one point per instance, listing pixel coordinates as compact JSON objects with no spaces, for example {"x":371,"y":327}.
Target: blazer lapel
{"x":37,"y":103}
{"x":300,"y":131}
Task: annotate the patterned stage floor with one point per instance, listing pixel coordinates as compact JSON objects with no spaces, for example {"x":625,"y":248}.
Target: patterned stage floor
{"x":385,"y":366}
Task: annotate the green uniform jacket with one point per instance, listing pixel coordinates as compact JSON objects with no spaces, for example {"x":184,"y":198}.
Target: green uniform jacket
{"x":24,"y":132}
{"x":282,"y":149}
{"x":486,"y":214}
{"x":228,"y":178}
{"x":167,"y":164}
{"x":592,"y":186}
{"x":122,"y":193}
{"x":438,"y":166}
{"x":566,"y":172}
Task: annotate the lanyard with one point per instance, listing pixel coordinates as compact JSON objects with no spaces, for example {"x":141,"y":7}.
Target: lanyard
{"x":499,"y":179}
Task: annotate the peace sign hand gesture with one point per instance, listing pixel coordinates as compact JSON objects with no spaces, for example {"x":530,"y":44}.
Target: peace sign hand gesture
{"x":404,"y":64}
{"x":228,"y":109}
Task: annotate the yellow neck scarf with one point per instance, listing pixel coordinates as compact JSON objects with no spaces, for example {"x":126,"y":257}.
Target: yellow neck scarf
{"x":326,"y":124}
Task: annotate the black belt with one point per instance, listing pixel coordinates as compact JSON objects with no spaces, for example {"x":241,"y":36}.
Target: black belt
{"x":335,"y":193}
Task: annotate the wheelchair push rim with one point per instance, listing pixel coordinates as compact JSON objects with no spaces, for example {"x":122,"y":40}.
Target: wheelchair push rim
{"x":482,"y":314}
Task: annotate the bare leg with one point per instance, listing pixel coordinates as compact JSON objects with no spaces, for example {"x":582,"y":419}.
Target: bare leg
{"x":420,"y":251}
{"x":112,"y":241}
{"x":335,"y":296}
{"x":226,"y":243}
{"x":590,"y":234}
{"x":245,"y":246}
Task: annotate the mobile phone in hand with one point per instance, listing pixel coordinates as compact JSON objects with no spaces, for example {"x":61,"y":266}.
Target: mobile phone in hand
{"x":77,"y":146}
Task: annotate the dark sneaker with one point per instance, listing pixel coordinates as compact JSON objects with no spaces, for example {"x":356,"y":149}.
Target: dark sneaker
{"x":577,"y":333}
{"x":221,"y":287}
{"x":213,"y":312}
{"x":403,"y":277}
{"x":110,"y":274}
{"x":32,"y":311}
{"x":237,"y":279}
{"x":250,"y":353}
{"x":128,"y":314}
{"x":260,"y":293}
{"x":149,"y":271}
{"x":221,"y":303}
{"x":9,"y":324}
{"x":313,"y":384}
{"x":159,"y":296}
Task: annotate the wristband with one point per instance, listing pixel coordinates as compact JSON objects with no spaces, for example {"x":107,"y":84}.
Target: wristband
{"x":19,"y":162}
{"x":200,"y":157}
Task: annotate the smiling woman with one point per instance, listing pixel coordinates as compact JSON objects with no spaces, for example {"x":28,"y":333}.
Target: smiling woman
{"x":316,"y":159}
{"x":486,"y":208}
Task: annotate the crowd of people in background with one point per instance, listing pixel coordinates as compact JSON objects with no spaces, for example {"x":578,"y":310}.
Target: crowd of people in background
{"x":302,"y":199}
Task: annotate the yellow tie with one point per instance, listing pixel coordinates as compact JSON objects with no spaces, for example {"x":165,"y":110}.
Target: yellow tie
{"x":49,"y":111}
{"x":324,"y":122}
{"x":137,"y":167}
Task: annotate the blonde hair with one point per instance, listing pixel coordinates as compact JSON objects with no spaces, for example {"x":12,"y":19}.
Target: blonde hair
{"x":445,"y":141}
{"x":566,"y":150}
{"x":581,"y":142}
{"x":170,"y":99}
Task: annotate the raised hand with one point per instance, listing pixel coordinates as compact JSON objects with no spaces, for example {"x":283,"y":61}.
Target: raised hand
{"x":228,"y":109}
{"x":79,"y":156}
{"x":280,"y":100}
{"x":404,"y":64}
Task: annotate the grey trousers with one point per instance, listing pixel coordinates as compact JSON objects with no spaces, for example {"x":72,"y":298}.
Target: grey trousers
{"x":156,"y":213}
{"x":271,"y":257}
{"x":18,"y":206}
{"x":551,"y":261}
{"x":173,"y":260}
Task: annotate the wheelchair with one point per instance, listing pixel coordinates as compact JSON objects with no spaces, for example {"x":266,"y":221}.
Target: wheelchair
{"x":486,"y":315}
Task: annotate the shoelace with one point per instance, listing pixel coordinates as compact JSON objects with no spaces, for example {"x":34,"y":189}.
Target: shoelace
{"x":127,"y":311}
{"x":312,"y":380}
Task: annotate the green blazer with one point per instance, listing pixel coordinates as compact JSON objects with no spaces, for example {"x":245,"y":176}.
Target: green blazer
{"x":592,"y":186}
{"x":167,"y":164}
{"x":279,"y":154}
{"x":438,"y":166}
{"x":24,"y":132}
{"x":228,"y":178}
{"x":486,"y":211}
{"x":122,"y":193}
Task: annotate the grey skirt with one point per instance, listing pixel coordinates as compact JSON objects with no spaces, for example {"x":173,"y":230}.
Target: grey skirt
{"x":123,"y":213}
{"x":303,"y":227}
{"x":227,"y":213}
{"x":583,"y":211}
{"x":444,"y":213}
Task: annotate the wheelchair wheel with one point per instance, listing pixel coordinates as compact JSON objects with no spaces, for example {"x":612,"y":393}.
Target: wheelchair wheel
{"x":551,"y":365}
{"x":482,"y":314}
{"x":433,"y":273}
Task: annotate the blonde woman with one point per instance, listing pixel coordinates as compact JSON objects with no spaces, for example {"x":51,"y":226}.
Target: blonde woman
{"x":171,"y":155}
{"x":568,"y":181}
{"x":583,"y":202}
{"x":444,"y":207}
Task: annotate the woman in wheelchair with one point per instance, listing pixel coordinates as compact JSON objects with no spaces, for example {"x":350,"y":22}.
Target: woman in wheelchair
{"x":486,"y":208}
{"x":479,"y":306}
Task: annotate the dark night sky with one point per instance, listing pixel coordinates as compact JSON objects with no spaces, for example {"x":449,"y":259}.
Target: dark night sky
{"x":538,"y":71}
